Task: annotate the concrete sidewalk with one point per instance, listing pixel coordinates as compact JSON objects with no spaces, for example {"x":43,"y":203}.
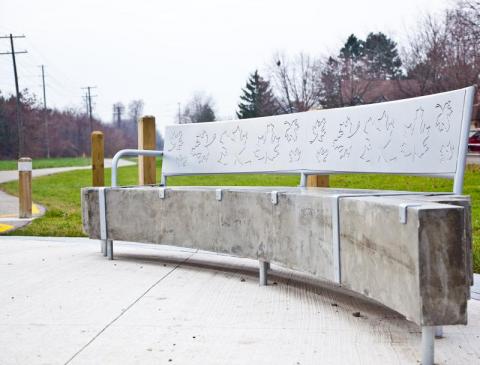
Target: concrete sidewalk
{"x":64,"y":303}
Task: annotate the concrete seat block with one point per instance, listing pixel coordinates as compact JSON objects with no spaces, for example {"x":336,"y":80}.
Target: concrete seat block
{"x":421,"y":268}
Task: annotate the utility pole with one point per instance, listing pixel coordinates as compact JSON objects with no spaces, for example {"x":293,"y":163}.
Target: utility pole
{"x":118,"y":109}
{"x":47,"y":138}
{"x":17,"y":90}
{"x":179,"y":119}
{"x":89,"y":97}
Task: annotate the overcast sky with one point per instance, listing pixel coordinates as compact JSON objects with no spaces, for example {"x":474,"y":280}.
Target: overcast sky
{"x":162,"y":52}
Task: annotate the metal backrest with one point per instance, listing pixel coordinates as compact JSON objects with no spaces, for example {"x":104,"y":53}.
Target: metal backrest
{"x":419,"y":136}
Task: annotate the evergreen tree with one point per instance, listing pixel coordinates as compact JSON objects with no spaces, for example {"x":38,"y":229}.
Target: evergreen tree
{"x":257,"y":99}
{"x":375,"y":58}
{"x":381,"y":56}
{"x":352,"y":49}
{"x":331,"y":78}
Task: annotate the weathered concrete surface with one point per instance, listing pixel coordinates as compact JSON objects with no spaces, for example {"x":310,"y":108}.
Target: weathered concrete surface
{"x":464,"y":202}
{"x":418,"y":269}
{"x":62,"y":302}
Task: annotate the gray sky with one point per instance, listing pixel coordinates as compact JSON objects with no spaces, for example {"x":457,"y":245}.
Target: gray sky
{"x":162,"y":52}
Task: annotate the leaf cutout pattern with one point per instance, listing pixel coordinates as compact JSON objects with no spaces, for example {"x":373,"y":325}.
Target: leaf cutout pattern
{"x":268,"y":145}
{"x":233,"y":146}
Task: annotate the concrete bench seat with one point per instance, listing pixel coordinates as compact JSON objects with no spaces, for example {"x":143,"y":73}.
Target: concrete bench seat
{"x":422,"y":261}
{"x":409,"y":251}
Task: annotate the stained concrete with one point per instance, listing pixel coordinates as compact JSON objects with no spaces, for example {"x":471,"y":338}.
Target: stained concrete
{"x":420,"y":269}
{"x":63,"y":303}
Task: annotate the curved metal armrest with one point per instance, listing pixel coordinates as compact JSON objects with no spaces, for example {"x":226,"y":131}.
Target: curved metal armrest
{"x":128,"y":152}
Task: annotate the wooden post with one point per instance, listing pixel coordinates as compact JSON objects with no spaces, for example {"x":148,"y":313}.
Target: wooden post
{"x":320,"y":181}
{"x":25,"y":187}
{"x":147,"y":140}
{"x":98,"y":174}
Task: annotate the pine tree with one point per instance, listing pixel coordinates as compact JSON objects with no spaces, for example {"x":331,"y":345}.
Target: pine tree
{"x":382,"y":57}
{"x":257,"y":99}
{"x":375,"y":58}
{"x":352,"y":49}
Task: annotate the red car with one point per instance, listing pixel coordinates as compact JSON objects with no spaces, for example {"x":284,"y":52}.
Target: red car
{"x":474,"y":142}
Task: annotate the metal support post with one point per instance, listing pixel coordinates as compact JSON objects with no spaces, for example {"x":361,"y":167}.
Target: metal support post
{"x":428,"y":345}
{"x":264,"y":266}
{"x":110,"y":249}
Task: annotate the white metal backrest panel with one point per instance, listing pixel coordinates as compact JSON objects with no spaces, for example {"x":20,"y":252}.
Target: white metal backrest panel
{"x":412,"y":136}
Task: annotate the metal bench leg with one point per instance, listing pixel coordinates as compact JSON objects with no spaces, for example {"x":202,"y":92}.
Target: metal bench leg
{"x":428,"y":345}
{"x":438,"y":331}
{"x":103,"y":246}
{"x":264,"y":266}
{"x":110,"y":249}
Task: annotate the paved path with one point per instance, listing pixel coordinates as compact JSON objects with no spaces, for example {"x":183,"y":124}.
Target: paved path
{"x":9,"y":204}
{"x":9,"y":213}
{"x":64,"y":303}
{"x":473,"y":158}
{"x":11,"y":175}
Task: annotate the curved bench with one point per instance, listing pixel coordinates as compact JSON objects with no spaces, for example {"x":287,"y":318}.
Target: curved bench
{"x":409,"y":251}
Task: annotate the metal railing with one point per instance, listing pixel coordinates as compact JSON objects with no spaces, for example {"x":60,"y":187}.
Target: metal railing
{"x":121,"y":153}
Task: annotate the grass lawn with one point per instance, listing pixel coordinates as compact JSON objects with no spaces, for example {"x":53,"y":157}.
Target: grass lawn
{"x":60,"y":194}
{"x":47,"y":162}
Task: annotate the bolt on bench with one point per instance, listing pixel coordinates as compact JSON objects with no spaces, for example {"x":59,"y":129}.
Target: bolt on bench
{"x":409,"y":251}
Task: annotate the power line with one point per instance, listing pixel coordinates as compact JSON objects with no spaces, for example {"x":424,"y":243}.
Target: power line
{"x":17,"y":101}
{"x":57,"y":70}
{"x":47,"y":138}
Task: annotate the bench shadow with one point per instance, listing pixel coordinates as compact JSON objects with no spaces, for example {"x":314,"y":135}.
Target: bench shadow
{"x":278,"y":276}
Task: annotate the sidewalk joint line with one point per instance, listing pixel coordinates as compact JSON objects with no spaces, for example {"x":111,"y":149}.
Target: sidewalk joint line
{"x":128,"y":308}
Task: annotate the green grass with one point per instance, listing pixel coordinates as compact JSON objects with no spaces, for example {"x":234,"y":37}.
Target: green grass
{"x":60,"y":194}
{"x":47,"y":162}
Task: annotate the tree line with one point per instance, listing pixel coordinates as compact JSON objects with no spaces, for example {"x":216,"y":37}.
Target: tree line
{"x":442,"y":53}
{"x":68,"y":130}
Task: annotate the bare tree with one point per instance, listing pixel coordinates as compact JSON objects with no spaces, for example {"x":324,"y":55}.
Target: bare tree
{"x":296,"y":82}
{"x":69,"y":130}
{"x":470,"y":14}
{"x":444,"y":53}
{"x":199,"y":109}
{"x":135,"y":110}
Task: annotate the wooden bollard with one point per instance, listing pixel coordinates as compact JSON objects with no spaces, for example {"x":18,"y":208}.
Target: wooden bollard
{"x":98,"y":174}
{"x":319,"y":181}
{"x":25,"y":187}
{"x":147,"y":140}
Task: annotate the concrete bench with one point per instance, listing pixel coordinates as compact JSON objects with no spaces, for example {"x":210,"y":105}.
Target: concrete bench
{"x":408,"y":251}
